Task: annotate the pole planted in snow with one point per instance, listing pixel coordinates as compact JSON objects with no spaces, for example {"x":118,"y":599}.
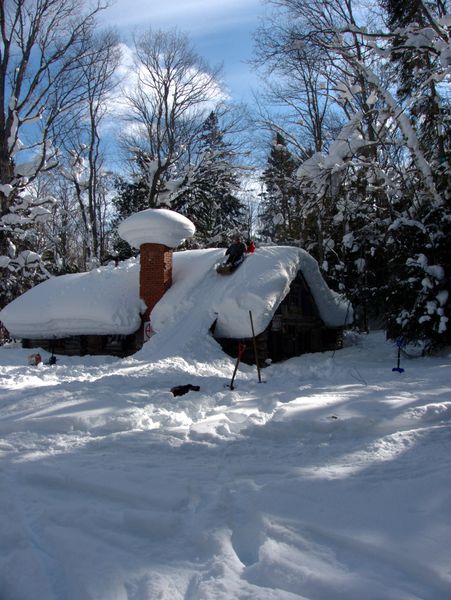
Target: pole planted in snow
{"x":241,"y":349}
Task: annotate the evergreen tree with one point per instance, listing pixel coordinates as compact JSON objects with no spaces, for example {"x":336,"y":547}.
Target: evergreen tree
{"x":378,"y":192}
{"x":399,"y":15}
{"x":131,"y":197}
{"x":280,"y":213}
{"x":208,"y":193}
{"x":413,"y":55}
{"x":420,"y":276}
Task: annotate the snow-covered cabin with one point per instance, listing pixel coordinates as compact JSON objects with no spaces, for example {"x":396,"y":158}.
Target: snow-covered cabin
{"x":108,"y":311}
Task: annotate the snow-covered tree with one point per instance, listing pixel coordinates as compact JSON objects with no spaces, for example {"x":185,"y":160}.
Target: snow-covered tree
{"x":208,"y":193}
{"x":42,"y":46}
{"x":174,"y":92}
{"x":298,"y":78}
{"x":420,"y":52}
{"x":280,"y":209}
{"x":82,"y":149}
{"x":389,"y":165}
{"x":130,"y":197}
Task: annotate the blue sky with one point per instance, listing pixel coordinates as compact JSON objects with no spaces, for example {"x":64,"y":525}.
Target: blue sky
{"x":221,"y":31}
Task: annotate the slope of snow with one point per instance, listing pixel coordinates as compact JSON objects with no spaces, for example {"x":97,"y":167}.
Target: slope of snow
{"x":106,"y":301}
{"x":329,"y":481}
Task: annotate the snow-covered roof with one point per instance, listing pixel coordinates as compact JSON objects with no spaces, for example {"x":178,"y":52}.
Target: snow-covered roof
{"x":102,"y":301}
{"x":106,"y":300}
{"x":156,"y":226}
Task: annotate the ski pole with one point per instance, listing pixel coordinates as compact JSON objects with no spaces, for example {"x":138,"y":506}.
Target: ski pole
{"x":241,"y":349}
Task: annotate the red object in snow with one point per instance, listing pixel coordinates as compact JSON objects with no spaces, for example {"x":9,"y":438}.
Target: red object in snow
{"x":34,"y":359}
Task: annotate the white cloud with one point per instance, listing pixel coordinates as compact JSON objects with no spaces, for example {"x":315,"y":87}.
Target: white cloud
{"x":127,"y":74}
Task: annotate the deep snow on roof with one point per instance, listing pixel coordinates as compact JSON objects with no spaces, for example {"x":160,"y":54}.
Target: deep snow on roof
{"x":156,"y":226}
{"x":106,"y":300}
{"x":102,"y":301}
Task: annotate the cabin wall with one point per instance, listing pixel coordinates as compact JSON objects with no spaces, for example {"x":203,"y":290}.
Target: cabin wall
{"x":231,"y":346}
{"x":295,"y":329}
{"x":81,"y":345}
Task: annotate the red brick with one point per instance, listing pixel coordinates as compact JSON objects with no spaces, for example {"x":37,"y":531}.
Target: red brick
{"x":155,"y":276}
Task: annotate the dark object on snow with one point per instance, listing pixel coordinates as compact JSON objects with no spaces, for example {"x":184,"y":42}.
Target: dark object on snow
{"x":235,"y":252}
{"x":52,"y":360}
{"x":181,"y":390}
{"x":241,"y":349}
{"x":34,"y":359}
{"x":228,"y":269}
{"x":235,"y":256}
{"x":400,"y":342}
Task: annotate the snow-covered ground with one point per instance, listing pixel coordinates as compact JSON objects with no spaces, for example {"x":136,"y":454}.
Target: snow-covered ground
{"x":331,"y":480}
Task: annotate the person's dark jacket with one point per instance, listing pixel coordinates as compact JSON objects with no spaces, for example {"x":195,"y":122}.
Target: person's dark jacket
{"x":235,"y":251}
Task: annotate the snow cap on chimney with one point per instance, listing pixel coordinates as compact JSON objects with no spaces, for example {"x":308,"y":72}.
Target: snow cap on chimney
{"x":156,"y":226}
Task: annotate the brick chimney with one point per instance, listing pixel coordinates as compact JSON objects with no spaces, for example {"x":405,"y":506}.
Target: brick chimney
{"x":155,"y":231}
{"x":155,"y":275}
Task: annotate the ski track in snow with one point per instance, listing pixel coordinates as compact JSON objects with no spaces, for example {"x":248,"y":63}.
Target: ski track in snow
{"x":329,"y":481}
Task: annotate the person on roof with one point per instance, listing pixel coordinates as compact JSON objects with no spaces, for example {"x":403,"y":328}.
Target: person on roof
{"x":235,"y":252}
{"x":250,"y":247}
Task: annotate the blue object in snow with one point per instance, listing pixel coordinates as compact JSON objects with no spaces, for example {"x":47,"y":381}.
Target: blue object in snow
{"x":400,"y":342}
